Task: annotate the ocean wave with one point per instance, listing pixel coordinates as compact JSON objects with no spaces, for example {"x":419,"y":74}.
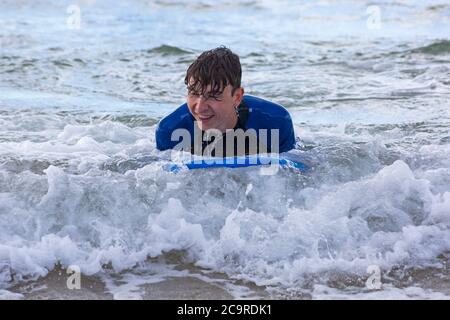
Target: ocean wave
{"x":165,"y":50}
{"x":435,"y":48}
{"x":101,"y":218}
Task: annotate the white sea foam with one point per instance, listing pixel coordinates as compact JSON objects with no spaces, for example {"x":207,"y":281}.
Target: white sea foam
{"x":81,"y":182}
{"x":387,"y":293}
{"x":99,"y":218}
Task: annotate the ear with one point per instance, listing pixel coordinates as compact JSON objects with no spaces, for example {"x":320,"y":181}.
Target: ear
{"x":238,"y":96}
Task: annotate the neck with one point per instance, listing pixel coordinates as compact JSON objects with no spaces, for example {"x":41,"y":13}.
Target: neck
{"x":235,"y":120}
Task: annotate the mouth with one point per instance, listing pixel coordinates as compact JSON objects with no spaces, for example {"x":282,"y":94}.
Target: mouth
{"x":205,"y":118}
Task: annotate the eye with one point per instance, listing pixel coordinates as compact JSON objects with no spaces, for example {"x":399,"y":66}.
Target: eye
{"x":216,"y":97}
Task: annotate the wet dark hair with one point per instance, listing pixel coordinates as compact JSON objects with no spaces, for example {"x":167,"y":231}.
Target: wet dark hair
{"x":218,"y":67}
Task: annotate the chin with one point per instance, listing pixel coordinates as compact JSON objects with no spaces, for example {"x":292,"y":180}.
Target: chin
{"x":206,"y":126}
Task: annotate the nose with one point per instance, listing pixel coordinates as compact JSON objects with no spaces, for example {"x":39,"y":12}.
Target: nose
{"x":200,"y":104}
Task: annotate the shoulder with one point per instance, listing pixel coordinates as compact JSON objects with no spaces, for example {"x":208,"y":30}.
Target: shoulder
{"x":177,"y":119}
{"x":265,"y":112}
{"x":181,"y":118}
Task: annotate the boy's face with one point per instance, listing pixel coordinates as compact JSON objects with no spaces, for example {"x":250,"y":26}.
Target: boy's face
{"x":216,"y":112}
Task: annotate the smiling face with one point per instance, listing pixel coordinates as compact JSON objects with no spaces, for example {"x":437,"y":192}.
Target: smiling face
{"x":215,"y":110}
{"x":214,"y":88}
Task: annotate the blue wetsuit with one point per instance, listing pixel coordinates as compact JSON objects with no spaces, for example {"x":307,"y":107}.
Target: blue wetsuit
{"x":254,"y":113}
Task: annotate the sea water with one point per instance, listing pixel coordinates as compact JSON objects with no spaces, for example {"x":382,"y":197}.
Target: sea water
{"x":84,"y":83}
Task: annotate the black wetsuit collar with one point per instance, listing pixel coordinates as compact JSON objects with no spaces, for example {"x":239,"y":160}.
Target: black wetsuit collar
{"x":242,"y":112}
